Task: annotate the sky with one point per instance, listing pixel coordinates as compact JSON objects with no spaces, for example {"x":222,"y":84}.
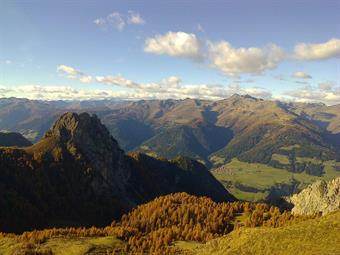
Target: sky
{"x":81,"y":50}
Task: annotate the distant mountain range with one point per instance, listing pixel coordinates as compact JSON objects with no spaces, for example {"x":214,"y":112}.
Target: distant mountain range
{"x":78,"y":175}
{"x":213,"y":132}
{"x":299,"y":138}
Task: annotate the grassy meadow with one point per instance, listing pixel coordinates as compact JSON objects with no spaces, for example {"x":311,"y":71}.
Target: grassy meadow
{"x":253,"y":181}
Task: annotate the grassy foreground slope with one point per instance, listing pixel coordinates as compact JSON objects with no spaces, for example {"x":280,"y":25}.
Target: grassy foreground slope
{"x":315,"y":236}
{"x":152,"y":228}
{"x":62,"y":246}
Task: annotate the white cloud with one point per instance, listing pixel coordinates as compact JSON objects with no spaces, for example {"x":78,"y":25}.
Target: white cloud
{"x":172,"y":82}
{"x":144,"y":91}
{"x":85,"y":78}
{"x":308,"y":51}
{"x":73,"y":73}
{"x":301,"y":75}
{"x":40,"y":92}
{"x":173,"y":87}
{"x":235,"y":61}
{"x":329,"y":94}
{"x":116,"y":80}
{"x":170,"y":87}
{"x":175,"y":44}
{"x":119,"y":21}
{"x":135,"y":18}
{"x":69,"y":71}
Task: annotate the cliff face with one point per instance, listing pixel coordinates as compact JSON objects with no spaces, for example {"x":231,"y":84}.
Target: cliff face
{"x":319,"y":197}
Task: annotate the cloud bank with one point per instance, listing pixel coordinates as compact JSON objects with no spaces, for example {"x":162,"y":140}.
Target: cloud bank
{"x":173,"y":87}
{"x":328,"y":93}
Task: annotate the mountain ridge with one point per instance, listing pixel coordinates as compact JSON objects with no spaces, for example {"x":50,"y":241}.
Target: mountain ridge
{"x":78,"y":173}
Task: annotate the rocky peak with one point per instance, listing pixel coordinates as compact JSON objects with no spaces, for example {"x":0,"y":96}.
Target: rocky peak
{"x":85,"y":136}
{"x":71,"y":127}
{"x":83,"y":131}
{"x":319,"y":197}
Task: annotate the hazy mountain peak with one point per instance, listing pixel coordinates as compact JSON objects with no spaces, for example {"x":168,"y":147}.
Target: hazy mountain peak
{"x":238,"y":97}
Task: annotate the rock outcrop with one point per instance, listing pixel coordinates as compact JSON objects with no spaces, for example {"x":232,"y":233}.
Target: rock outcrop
{"x":319,"y":197}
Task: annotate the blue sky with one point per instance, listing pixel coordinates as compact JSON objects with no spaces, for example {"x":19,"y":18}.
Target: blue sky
{"x":161,"y":49}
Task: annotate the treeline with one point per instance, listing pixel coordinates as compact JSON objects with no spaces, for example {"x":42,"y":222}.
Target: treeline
{"x":155,"y":226}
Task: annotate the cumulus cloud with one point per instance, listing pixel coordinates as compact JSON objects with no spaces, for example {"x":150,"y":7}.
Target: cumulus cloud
{"x":301,"y":75}
{"x":135,"y":18}
{"x":235,"y":61}
{"x":309,"y":51}
{"x":325,"y":92}
{"x":119,"y":21}
{"x":175,"y":44}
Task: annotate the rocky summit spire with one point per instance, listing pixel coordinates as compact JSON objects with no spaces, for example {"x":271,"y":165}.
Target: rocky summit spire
{"x":73,"y":127}
{"x":85,"y":137}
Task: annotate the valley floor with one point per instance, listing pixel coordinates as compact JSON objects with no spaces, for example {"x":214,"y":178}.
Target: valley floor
{"x":255,"y":181}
